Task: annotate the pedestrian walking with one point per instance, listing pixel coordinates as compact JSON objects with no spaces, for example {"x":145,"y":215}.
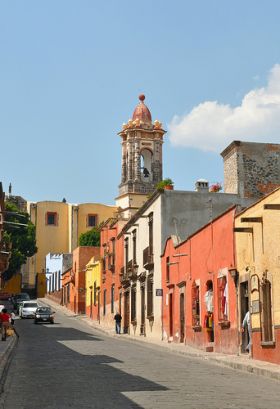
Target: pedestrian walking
{"x":247,"y":323}
{"x":5,"y":323}
{"x":118,"y":319}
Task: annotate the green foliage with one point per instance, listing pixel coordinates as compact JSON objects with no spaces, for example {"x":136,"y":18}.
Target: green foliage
{"x":22,"y":237}
{"x":90,"y":238}
{"x":164,"y":182}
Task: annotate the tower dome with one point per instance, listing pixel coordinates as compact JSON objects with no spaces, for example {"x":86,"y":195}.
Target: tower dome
{"x":141,"y":111}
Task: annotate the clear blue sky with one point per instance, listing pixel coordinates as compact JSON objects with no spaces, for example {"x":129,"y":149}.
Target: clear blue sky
{"x":71,"y":72}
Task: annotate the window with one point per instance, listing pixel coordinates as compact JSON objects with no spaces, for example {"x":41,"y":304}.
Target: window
{"x":151,"y":238}
{"x":113,"y":251}
{"x":195,"y":305}
{"x":150,"y":304}
{"x":51,"y":219}
{"x":133,"y":304}
{"x":222,"y":299}
{"x":112,"y":298}
{"x":92,"y":220}
{"x":126,"y":252}
{"x":104,"y":302}
{"x":167,"y":270}
{"x":134,"y":247}
{"x":267,"y":334}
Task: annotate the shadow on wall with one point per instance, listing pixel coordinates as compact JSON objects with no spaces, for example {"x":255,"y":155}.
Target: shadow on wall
{"x":72,"y":375}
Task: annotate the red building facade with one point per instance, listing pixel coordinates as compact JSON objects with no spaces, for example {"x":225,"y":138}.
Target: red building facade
{"x":199,"y":293}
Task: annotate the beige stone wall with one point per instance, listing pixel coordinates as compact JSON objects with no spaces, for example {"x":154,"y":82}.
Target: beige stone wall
{"x":258,"y":252}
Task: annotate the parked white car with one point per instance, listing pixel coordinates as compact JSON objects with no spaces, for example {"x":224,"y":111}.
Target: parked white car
{"x":28,"y":309}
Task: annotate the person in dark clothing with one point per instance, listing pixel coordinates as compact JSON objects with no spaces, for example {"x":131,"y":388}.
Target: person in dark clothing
{"x":118,"y":319}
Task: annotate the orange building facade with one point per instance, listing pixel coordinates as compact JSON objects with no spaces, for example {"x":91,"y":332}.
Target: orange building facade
{"x":111,"y":270}
{"x":199,"y":293}
{"x":73,"y":280}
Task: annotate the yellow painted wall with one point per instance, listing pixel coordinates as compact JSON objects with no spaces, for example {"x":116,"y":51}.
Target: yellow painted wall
{"x":13,"y":286}
{"x":93,"y":272}
{"x":49,"y":239}
{"x":260,"y":251}
{"x":41,"y":285}
{"x":63,"y":238}
{"x":103,"y":213}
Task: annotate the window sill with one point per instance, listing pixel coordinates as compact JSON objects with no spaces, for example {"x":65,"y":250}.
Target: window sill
{"x":224,"y":324}
{"x":268,"y":344}
{"x":197,"y":328}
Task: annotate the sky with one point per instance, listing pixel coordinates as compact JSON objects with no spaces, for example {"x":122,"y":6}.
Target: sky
{"x":71,"y":72}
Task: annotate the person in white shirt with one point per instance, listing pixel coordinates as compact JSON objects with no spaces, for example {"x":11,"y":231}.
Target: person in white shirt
{"x":247,"y":322}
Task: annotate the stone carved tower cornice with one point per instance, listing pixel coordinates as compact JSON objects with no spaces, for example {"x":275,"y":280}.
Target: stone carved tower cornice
{"x":142,"y":142}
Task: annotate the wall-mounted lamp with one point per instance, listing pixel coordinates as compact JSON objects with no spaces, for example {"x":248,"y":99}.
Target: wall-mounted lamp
{"x":234,"y":274}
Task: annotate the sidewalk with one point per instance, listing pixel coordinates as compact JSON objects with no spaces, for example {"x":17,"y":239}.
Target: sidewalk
{"x":240,"y":362}
{"x":6,"y":348}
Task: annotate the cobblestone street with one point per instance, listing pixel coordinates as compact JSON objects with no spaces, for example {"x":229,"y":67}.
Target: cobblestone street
{"x":69,"y":365}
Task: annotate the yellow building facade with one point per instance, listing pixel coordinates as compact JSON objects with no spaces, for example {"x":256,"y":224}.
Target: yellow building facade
{"x":58,"y":228}
{"x":93,"y":280}
{"x":257,"y":238}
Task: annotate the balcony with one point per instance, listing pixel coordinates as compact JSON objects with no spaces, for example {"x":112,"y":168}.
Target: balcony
{"x":111,"y":263}
{"x":132,"y":270}
{"x":148,"y":259}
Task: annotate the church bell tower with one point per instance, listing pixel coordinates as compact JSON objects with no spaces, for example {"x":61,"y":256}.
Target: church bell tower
{"x":142,"y":142}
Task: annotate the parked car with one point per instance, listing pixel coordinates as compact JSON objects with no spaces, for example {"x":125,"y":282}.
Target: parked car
{"x":28,"y":309}
{"x":44,"y":314}
{"x":18,"y":298}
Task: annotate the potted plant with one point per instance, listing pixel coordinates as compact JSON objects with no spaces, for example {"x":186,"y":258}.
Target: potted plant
{"x":165,"y":184}
{"x":216,"y":187}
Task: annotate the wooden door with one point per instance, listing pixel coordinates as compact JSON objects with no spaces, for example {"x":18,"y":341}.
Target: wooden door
{"x":182,"y":317}
{"x":126,"y":313}
{"x":142,"y":327}
{"x":171,"y":315}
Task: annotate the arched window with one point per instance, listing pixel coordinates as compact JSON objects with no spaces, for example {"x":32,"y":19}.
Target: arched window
{"x":146,"y":165}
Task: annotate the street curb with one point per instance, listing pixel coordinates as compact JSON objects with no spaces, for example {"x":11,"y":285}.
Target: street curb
{"x":244,"y":367}
{"x":222,"y":361}
{"x":5,"y":362}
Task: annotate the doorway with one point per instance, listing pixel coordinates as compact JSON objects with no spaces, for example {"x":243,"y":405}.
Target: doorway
{"x":142,"y":326}
{"x":182,"y":317}
{"x":126,"y":313}
{"x":170,"y":315}
{"x":90,"y":314}
{"x":244,"y":307}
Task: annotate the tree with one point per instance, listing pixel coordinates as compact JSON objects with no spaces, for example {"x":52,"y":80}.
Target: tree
{"x":90,"y":238}
{"x":20,"y":232}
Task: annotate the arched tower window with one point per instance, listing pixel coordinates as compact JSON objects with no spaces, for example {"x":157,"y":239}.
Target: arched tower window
{"x":146,"y":165}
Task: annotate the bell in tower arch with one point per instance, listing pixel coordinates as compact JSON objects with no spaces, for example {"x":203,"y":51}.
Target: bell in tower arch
{"x":146,"y":165}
